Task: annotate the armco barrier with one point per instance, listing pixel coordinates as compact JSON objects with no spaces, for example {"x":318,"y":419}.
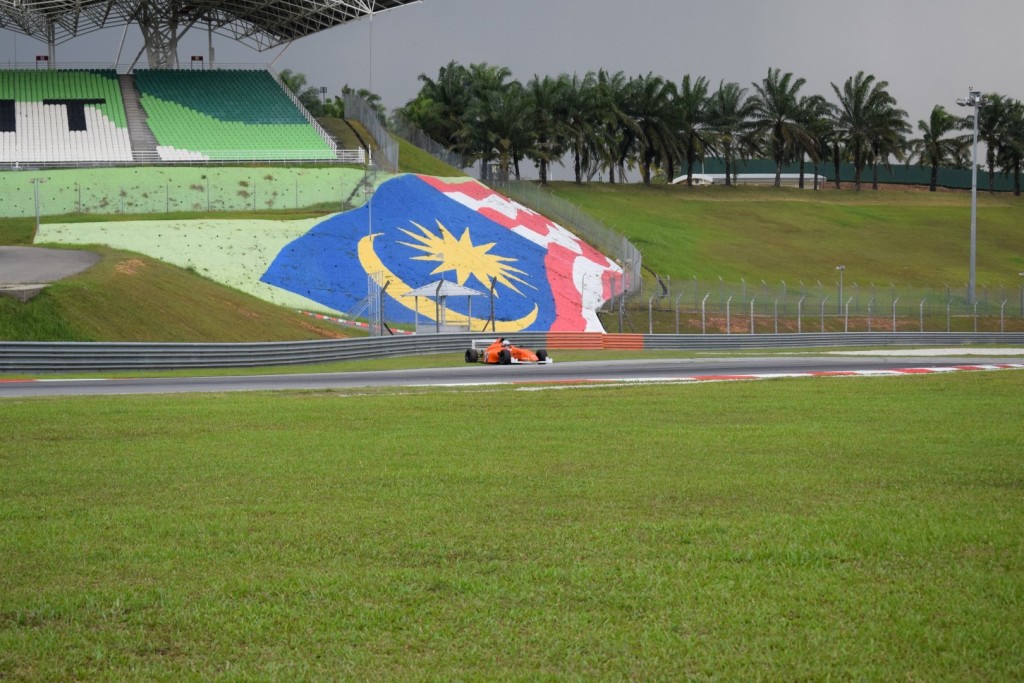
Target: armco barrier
{"x":90,"y":356}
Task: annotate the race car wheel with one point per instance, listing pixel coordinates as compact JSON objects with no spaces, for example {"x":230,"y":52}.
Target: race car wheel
{"x":542,"y":355}
{"x":472,"y":355}
{"x":505,"y":357}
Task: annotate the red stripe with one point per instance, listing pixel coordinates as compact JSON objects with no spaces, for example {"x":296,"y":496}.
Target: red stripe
{"x":706,"y":378}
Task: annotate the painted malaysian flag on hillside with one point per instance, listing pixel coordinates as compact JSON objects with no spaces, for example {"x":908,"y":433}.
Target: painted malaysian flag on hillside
{"x":417,"y":230}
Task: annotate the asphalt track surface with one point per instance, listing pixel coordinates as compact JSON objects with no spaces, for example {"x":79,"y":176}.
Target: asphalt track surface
{"x":35,"y":265}
{"x":460,"y":374}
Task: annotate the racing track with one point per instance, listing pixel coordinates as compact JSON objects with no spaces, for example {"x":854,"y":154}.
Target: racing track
{"x":654,"y":370}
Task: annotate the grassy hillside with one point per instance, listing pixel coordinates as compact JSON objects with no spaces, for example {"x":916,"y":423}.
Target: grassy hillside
{"x":904,"y":237}
{"x":349,"y":134}
{"x":411,"y":159}
{"x":129,"y":297}
{"x":901,"y":236}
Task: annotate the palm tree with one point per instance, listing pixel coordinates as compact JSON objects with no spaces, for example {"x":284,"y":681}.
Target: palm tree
{"x":549,"y":144}
{"x":992,"y":128}
{"x":775,"y":117}
{"x":650,"y":105}
{"x":867,"y":120}
{"x":814,"y":115}
{"x":1010,"y":154}
{"x":728,"y":109}
{"x":306,"y":94}
{"x":495,"y":128}
{"x":577,"y":111}
{"x":439,"y":106}
{"x":821,"y":125}
{"x":487,"y":87}
{"x":615,"y":129}
{"x":934,"y":147}
{"x":692,"y":117}
{"x":889,"y":140}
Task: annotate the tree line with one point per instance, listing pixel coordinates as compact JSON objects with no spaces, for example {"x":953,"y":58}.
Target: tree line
{"x":608,"y":123}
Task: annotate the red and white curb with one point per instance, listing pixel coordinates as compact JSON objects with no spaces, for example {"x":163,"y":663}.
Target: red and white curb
{"x":688,"y":379}
{"x":539,"y":385}
{"x":895,"y":372}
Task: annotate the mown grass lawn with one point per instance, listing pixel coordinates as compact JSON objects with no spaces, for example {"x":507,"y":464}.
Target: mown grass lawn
{"x":791,"y":529}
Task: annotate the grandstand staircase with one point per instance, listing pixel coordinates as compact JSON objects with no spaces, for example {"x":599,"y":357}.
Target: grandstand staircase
{"x":142,"y":138}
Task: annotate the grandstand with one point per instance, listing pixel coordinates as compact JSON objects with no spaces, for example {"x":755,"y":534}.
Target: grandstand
{"x":163,"y":114}
{"x":226,"y":115}
{"x":62,"y":116}
{"x":81,"y":116}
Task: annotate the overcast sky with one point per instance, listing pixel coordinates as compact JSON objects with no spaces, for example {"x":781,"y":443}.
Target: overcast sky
{"x":930,"y":51}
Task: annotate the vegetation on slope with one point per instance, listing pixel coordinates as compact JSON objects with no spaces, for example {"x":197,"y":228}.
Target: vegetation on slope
{"x":130,"y":297}
{"x":895,"y":236}
{"x":901,"y":236}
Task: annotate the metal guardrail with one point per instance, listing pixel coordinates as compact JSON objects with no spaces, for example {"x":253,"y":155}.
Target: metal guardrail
{"x":94,"y":356}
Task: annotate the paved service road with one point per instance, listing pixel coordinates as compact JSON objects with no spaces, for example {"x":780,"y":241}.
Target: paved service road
{"x":35,"y":265}
{"x":460,"y":374}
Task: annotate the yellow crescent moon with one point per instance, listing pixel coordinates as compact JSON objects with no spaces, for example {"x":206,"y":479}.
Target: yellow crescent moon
{"x":398,"y":289}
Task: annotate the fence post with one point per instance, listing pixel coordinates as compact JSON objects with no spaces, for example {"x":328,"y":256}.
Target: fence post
{"x":870,"y":304}
{"x":799,"y":314}
{"x":976,"y":315}
{"x":776,"y":316}
{"x":947,"y":315}
{"x":894,"y":302}
{"x":823,"y":313}
{"x":677,"y":310}
{"x":846,"y":316}
{"x":703,"y":320}
{"x":922,"y":315}
{"x":728,"y":317}
{"x":1002,"y":326}
{"x":752,"y":315}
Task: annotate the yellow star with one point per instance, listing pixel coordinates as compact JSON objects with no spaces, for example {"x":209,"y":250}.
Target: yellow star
{"x":465,"y":258}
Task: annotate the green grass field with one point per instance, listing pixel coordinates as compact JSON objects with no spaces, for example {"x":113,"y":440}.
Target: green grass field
{"x":864,"y":529}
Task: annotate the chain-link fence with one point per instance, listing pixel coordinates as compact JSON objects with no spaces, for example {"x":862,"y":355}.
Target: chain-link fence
{"x":595,"y":233}
{"x":359,"y":109}
{"x":716,"y":306}
{"x":405,"y":129}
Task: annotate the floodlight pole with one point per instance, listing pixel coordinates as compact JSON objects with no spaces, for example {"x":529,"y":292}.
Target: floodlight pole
{"x":976,"y":102}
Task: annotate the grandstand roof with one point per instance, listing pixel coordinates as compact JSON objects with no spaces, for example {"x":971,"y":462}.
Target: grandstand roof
{"x":261,"y":24}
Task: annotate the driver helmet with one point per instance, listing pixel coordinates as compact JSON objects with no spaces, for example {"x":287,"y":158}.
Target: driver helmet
{"x":506,"y":343}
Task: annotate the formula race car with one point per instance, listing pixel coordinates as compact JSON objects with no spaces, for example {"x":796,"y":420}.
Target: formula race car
{"x":501,"y":351}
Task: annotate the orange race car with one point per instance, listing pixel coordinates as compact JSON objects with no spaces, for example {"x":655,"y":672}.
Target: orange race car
{"x":501,"y":351}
